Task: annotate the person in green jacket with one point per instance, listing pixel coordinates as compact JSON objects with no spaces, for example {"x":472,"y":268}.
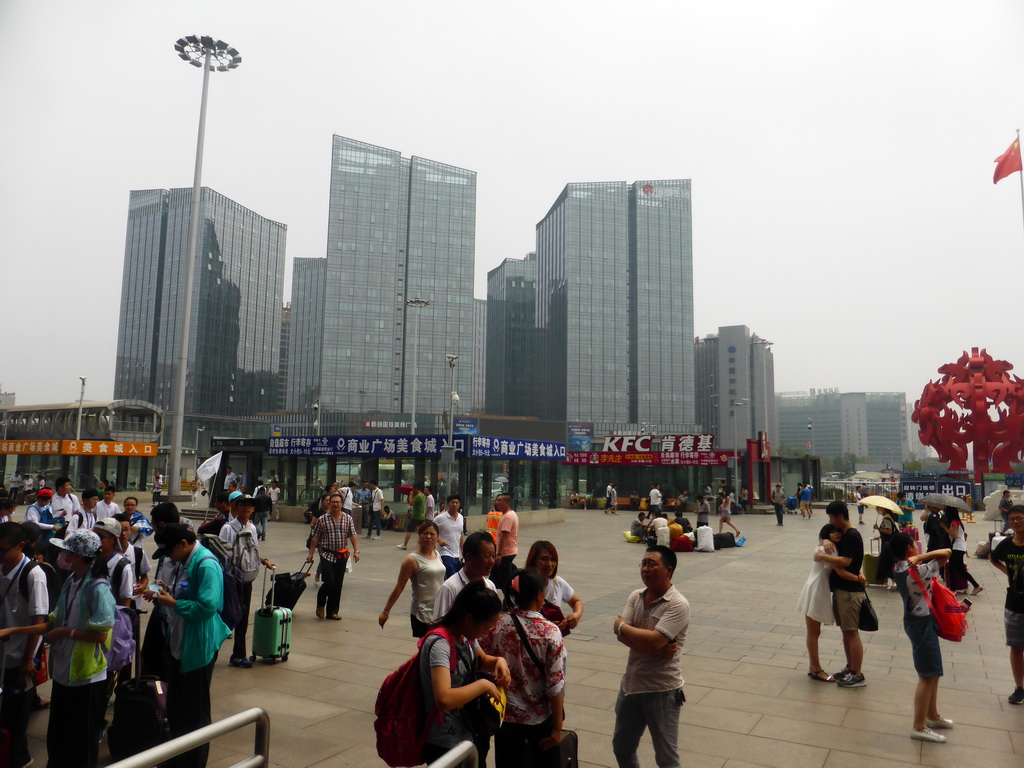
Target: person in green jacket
{"x":193,"y":631}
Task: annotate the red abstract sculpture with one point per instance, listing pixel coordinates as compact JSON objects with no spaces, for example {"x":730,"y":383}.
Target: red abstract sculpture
{"x":977,"y":401}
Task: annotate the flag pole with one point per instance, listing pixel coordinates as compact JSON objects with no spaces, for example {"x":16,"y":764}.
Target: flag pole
{"x":1021,"y":178}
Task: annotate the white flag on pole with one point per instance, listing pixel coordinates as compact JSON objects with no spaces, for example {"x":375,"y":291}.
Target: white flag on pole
{"x":209,"y":468}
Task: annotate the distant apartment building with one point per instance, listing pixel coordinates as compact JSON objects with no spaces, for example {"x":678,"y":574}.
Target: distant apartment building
{"x":234,"y":340}
{"x":399,"y":229}
{"x":735,"y":389}
{"x":872,"y":425}
{"x":512,"y":338}
{"x":614,"y":307}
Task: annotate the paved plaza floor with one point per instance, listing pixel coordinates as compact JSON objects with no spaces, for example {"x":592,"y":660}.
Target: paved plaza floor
{"x":748,"y":698}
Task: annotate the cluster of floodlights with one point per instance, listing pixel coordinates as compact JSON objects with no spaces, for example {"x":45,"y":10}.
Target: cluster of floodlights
{"x":194,"y":49}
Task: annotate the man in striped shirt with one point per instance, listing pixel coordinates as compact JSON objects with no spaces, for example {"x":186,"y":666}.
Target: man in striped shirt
{"x":331,"y":535}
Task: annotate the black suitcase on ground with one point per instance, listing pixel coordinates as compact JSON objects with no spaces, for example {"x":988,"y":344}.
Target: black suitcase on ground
{"x":565,"y":755}
{"x":724,"y":540}
{"x":288,"y":588}
{"x":140,"y":711}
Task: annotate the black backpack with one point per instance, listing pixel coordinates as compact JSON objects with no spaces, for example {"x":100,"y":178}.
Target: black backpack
{"x":52,"y":585}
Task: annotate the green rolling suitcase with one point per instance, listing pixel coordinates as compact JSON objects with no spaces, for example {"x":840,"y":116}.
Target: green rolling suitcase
{"x":271,"y":631}
{"x":869,"y":566}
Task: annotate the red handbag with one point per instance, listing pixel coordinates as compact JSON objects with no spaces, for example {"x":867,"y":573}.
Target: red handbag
{"x":949,"y":615}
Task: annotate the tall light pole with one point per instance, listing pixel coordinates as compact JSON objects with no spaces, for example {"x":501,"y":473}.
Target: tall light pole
{"x":316,"y":416}
{"x":415,"y":304}
{"x":736,"y":439}
{"x":78,"y":427}
{"x":810,"y":427}
{"x":454,"y":401}
{"x":212,"y":55}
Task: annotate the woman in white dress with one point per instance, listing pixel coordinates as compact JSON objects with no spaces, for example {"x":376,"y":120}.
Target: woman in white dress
{"x":815,"y":600}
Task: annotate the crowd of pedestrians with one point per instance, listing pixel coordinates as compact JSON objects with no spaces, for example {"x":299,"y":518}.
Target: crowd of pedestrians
{"x":464,"y":626}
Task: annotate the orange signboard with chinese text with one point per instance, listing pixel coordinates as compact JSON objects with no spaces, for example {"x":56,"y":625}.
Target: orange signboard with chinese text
{"x":106,"y":448}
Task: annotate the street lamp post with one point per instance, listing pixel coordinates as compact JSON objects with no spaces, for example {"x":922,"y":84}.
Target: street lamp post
{"x":736,"y":439}
{"x":78,"y":427}
{"x":810,"y":427}
{"x":415,"y":304}
{"x":316,"y":416}
{"x":212,"y":55}
{"x":454,"y":401}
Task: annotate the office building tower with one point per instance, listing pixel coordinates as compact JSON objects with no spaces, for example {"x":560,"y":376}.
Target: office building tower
{"x":858,"y":426}
{"x":399,"y":229}
{"x":735,"y":386}
{"x":282,"y":365}
{"x":233,"y":355}
{"x":479,"y":371}
{"x":615,"y":306}
{"x":306,"y":348}
{"x":512,"y":338}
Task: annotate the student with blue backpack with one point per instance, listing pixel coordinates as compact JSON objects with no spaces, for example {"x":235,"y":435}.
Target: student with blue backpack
{"x":193,"y":630}
{"x":239,"y":534}
{"x":79,"y":632}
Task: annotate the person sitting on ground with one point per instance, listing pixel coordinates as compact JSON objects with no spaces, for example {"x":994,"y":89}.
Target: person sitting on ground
{"x":675,"y":528}
{"x":638,"y":527}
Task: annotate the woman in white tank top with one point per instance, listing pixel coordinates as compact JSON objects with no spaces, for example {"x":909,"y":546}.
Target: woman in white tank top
{"x":426,"y":572}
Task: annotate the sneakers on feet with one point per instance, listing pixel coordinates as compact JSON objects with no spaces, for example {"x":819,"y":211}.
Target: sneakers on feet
{"x":977,"y":590}
{"x":942,"y":722}
{"x":1017,"y":697}
{"x":399,"y":546}
{"x":928,"y":735}
{"x":851,"y":680}
{"x":242,"y":663}
{"x":842,"y":672}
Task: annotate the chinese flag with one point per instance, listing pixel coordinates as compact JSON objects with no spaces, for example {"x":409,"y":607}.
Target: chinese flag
{"x":1008,"y":162}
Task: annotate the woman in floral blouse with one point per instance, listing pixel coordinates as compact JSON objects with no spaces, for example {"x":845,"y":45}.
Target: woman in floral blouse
{"x":533,"y":718}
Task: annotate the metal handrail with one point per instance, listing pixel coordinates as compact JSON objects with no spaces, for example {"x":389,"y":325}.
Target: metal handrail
{"x":462,"y":754}
{"x":163,"y":752}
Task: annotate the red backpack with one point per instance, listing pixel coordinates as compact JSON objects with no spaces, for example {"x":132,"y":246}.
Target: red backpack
{"x":402,"y":724}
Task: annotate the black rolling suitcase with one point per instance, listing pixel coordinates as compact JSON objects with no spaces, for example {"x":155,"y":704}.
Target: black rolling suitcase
{"x":565,"y":755}
{"x":140,"y":711}
{"x":288,"y":588}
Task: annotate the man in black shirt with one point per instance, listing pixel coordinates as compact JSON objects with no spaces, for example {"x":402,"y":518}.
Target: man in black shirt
{"x":1008,"y":557}
{"x":847,"y":596}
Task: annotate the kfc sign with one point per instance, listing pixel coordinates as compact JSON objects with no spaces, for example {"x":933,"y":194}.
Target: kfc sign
{"x":628,"y":443}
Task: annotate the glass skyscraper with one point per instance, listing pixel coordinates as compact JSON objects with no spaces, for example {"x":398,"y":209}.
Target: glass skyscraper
{"x":306,"y":343}
{"x":615,"y":306}
{"x":512,"y":338}
{"x":233,"y":356}
{"x":399,"y":228}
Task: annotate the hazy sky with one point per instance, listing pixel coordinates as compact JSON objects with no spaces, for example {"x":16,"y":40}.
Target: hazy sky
{"x":841,"y":154}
